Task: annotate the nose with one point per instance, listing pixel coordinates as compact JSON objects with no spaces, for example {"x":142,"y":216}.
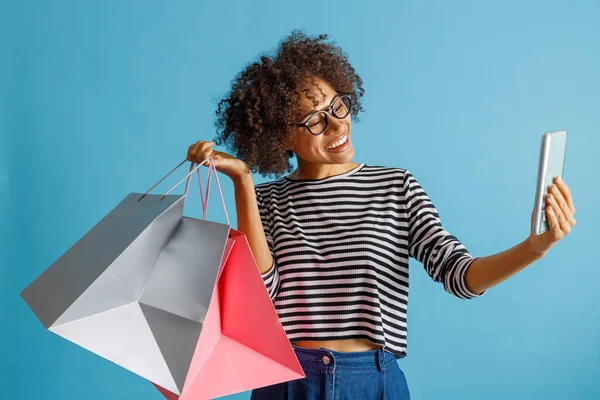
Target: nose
{"x":335,"y":127}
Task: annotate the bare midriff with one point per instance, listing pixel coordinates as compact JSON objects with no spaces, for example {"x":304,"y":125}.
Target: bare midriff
{"x":344,"y":345}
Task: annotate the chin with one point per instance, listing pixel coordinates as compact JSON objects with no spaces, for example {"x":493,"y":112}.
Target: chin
{"x":343,"y":158}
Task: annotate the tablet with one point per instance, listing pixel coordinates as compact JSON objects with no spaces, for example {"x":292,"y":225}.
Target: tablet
{"x":551,"y":163}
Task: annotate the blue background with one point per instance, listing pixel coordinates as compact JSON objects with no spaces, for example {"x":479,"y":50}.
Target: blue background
{"x":100,"y":99}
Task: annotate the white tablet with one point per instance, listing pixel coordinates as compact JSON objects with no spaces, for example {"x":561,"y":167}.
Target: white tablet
{"x":551,"y":164}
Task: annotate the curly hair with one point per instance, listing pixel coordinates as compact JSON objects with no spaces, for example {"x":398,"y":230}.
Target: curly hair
{"x":256,"y":119}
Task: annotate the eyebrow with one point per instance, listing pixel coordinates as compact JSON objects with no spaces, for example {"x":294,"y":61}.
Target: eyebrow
{"x":314,"y":111}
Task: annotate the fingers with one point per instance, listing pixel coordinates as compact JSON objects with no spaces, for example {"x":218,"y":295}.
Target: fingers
{"x":558,"y":213}
{"x":199,"y":151}
{"x":565,"y":193}
{"x":561,"y":210}
{"x":191,"y":151}
{"x":562,"y":197}
{"x":553,"y":224}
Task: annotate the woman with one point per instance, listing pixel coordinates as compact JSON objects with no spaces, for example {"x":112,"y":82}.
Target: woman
{"x":332,"y":238}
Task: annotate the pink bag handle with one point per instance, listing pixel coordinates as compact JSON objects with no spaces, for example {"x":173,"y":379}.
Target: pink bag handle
{"x":204,"y":199}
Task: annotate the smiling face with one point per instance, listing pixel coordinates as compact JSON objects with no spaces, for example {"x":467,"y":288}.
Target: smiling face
{"x":312,"y":150}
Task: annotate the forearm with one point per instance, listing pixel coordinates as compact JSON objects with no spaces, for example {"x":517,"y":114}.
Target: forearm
{"x":249,"y":222}
{"x":489,"y":271}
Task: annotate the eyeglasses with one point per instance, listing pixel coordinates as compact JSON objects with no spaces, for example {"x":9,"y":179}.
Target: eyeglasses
{"x":317,"y":122}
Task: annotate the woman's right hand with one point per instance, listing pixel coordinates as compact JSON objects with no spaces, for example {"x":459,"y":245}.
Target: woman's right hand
{"x":230,"y":166}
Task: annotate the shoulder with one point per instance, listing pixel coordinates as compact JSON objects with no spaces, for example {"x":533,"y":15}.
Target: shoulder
{"x":265,"y":189}
{"x":271,"y":184}
{"x":385,"y":171}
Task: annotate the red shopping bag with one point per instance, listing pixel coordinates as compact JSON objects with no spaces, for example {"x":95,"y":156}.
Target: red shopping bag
{"x":242,"y":345}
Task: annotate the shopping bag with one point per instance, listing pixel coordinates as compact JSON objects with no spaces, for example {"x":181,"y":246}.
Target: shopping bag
{"x":136,"y":289}
{"x":242,"y":345}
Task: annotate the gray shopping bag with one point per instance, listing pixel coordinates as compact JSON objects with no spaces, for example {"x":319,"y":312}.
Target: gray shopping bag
{"x":135,"y":289}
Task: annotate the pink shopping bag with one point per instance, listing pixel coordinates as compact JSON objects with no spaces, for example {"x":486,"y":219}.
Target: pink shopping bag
{"x":242,"y":345}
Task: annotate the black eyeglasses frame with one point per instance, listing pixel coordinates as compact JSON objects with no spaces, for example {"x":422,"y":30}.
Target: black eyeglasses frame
{"x":326,"y":111}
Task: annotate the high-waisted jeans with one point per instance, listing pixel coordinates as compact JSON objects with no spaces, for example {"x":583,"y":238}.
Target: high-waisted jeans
{"x":332,"y":375}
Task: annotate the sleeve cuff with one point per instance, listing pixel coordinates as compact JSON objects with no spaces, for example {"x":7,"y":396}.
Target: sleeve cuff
{"x":463,"y":291}
{"x":271,"y":280}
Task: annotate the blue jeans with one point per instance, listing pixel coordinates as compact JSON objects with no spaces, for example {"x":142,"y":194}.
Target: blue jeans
{"x":332,"y":375}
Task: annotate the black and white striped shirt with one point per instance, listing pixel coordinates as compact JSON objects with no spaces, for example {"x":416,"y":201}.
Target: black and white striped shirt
{"x":341,"y":246}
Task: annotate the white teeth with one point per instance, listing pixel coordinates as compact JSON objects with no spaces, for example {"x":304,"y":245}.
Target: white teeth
{"x":338,"y":143}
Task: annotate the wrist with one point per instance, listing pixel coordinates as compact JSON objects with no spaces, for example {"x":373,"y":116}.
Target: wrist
{"x":532,"y":252}
{"x":242,"y":179}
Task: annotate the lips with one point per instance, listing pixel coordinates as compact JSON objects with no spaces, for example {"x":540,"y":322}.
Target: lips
{"x":338,"y":138}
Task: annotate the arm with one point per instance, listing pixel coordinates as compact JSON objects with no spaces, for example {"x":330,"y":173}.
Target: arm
{"x":444,"y":257}
{"x":489,"y":271}
{"x":251,"y":215}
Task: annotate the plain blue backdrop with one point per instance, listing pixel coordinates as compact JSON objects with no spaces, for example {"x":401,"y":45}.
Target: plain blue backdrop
{"x":99,"y":99}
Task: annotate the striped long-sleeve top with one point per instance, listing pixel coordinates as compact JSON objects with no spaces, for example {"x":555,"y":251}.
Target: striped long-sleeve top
{"x":340,"y":249}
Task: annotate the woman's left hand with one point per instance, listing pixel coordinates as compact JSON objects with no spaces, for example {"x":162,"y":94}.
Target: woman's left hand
{"x":559,"y":215}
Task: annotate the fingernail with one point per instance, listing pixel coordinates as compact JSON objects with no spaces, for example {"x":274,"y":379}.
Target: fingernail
{"x":558,"y":179}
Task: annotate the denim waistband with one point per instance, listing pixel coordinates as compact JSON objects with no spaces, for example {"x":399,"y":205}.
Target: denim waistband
{"x":371,"y":359}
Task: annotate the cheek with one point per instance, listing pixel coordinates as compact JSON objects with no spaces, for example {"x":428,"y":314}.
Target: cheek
{"x":308,"y":145}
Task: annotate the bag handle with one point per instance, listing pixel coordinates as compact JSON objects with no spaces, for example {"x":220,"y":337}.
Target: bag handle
{"x":162,"y":179}
{"x":204,"y":199}
{"x":193,"y":168}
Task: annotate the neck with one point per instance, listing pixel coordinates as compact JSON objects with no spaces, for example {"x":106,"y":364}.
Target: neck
{"x":307,"y":170}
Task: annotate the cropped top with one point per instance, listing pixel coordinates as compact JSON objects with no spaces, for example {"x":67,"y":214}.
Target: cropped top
{"x":341,"y":246}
